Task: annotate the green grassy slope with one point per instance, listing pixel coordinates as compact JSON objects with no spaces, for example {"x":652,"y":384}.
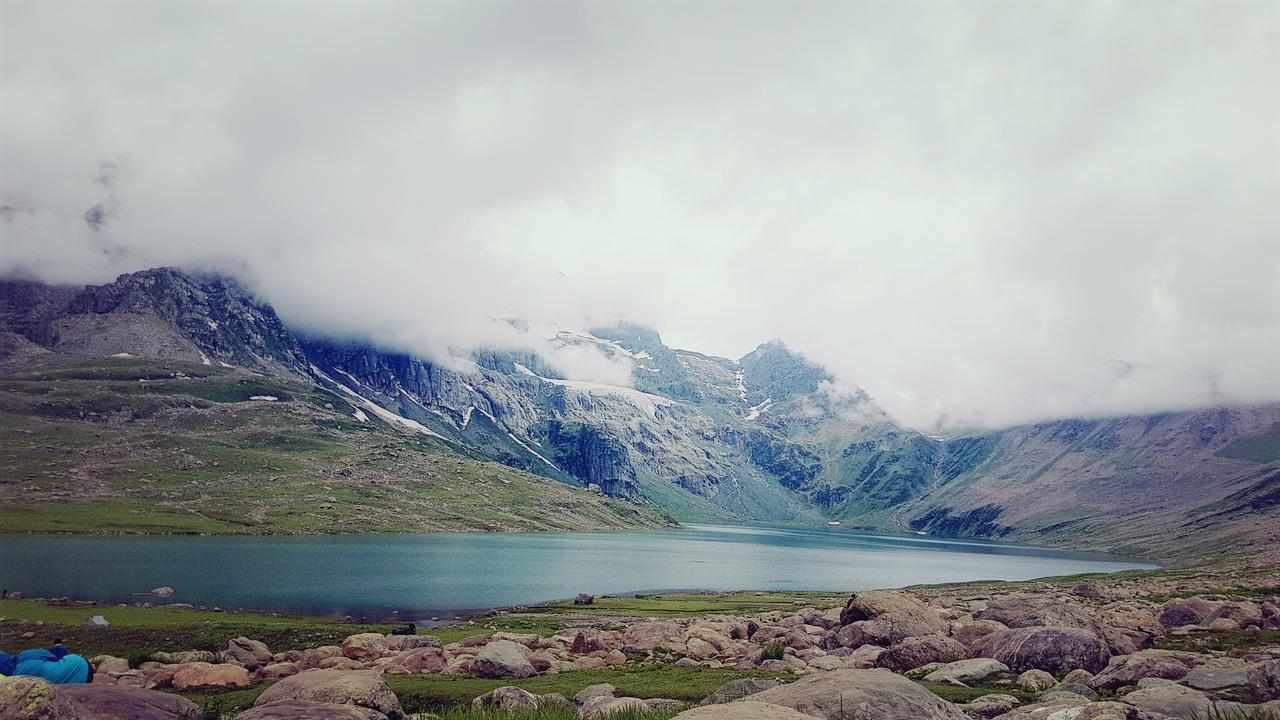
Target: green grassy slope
{"x":145,"y":446}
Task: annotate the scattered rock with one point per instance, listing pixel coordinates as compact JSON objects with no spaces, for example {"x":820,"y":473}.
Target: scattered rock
{"x":1036,"y":680}
{"x":919,"y":650}
{"x":202,"y":674}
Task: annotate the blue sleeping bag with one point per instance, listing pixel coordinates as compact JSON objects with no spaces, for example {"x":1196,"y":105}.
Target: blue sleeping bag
{"x":55,"y":665}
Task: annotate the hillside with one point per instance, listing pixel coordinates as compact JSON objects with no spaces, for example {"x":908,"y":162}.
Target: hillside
{"x":767,"y":437}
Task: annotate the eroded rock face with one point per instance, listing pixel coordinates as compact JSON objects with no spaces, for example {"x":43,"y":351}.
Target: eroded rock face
{"x":1264,"y":681}
{"x":363,"y":688}
{"x":860,"y":695}
{"x":1053,"y":649}
{"x":115,"y":702}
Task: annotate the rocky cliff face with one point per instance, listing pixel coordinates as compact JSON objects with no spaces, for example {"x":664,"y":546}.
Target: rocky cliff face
{"x":765,"y":437}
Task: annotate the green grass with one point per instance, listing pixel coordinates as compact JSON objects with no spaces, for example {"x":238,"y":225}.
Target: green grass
{"x":124,"y":445}
{"x":681,"y":604}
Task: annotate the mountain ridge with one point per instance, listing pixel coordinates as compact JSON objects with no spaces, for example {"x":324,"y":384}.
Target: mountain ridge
{"x":768,"y":436}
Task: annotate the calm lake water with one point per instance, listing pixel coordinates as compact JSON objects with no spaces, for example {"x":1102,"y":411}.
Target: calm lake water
{"x":438,"y":574}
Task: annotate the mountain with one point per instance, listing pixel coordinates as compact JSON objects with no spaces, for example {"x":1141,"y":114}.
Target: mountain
{"x":770,"y":436}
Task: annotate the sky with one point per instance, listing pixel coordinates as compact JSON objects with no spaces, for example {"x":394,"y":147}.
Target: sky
{"x":984,"y":213}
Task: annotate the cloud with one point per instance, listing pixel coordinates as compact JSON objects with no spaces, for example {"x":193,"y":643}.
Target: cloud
{"x":982,"y":213}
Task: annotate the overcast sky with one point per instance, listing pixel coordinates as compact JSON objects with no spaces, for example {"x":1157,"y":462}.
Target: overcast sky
{"x":982,"y":212}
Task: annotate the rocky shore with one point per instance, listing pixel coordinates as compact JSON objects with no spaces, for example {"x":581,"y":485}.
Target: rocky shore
{"x":1124,"y":648}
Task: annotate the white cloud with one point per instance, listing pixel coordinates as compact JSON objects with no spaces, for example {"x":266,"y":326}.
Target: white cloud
{"x":983,"y":213}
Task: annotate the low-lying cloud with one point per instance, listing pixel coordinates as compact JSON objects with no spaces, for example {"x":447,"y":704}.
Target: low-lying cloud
{"x":983,"y":213}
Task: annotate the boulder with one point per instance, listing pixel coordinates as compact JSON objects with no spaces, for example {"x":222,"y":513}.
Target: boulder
{"x":742,"y":711}
{"x":860,"y":695}
{"x":313,"y":657}
{"x":422,"y":660}
{"x":968,"y":633}
{"x":1176,"y":701}
{"x":589,"y":692}
{"x":309,"y":710}
{"x":1072,"y":688}
{"x":700,"y":649}
{"x":200,"y":674}
{"x":115,"y":702}
{"x":400,"y":643}
{"x":1083,"y":677}
{"x":29,"y":698}
{"x":364,"y":688}
{"x":1036,"y":680}
{"x":365,"y":646}
{"x":275,"y":671}
{"x":989,"y":706}
{"x":1018,"y":610}
{"x":502,"y":659}
{"x":106,"y":664}
{"x":738,"y":689}
{"x":249,"y":653}
{"x":506,"y":699}
{"x":1189,"y":611}
{"x":919,"y":650}
{"x":601,"y":708}
{"x":656,"y":633}
{"x":1129,"y":669}
{"x":1055,"y":649}
{"x":965,"y":672}
{"x":884,"y":617}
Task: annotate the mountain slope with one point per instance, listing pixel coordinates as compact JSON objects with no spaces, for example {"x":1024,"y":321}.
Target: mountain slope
{"x":770,"y":436}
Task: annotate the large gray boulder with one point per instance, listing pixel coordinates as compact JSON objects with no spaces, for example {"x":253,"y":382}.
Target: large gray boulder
{"x":1053,"y":649}
{"x":1176,"y":701}
{"x":309,"y":710}
{"x":28,"y":698}
{"x":743,"y":710}
{"x":118,"y":702}
{"x":914,"y":652}
{"x":503,"y":659}
{"x":859,"y":695}
{"x":363,"y":688}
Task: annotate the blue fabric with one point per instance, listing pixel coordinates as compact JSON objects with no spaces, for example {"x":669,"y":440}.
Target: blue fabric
{"x":44,"y":664}
{"x":7,"y":663}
